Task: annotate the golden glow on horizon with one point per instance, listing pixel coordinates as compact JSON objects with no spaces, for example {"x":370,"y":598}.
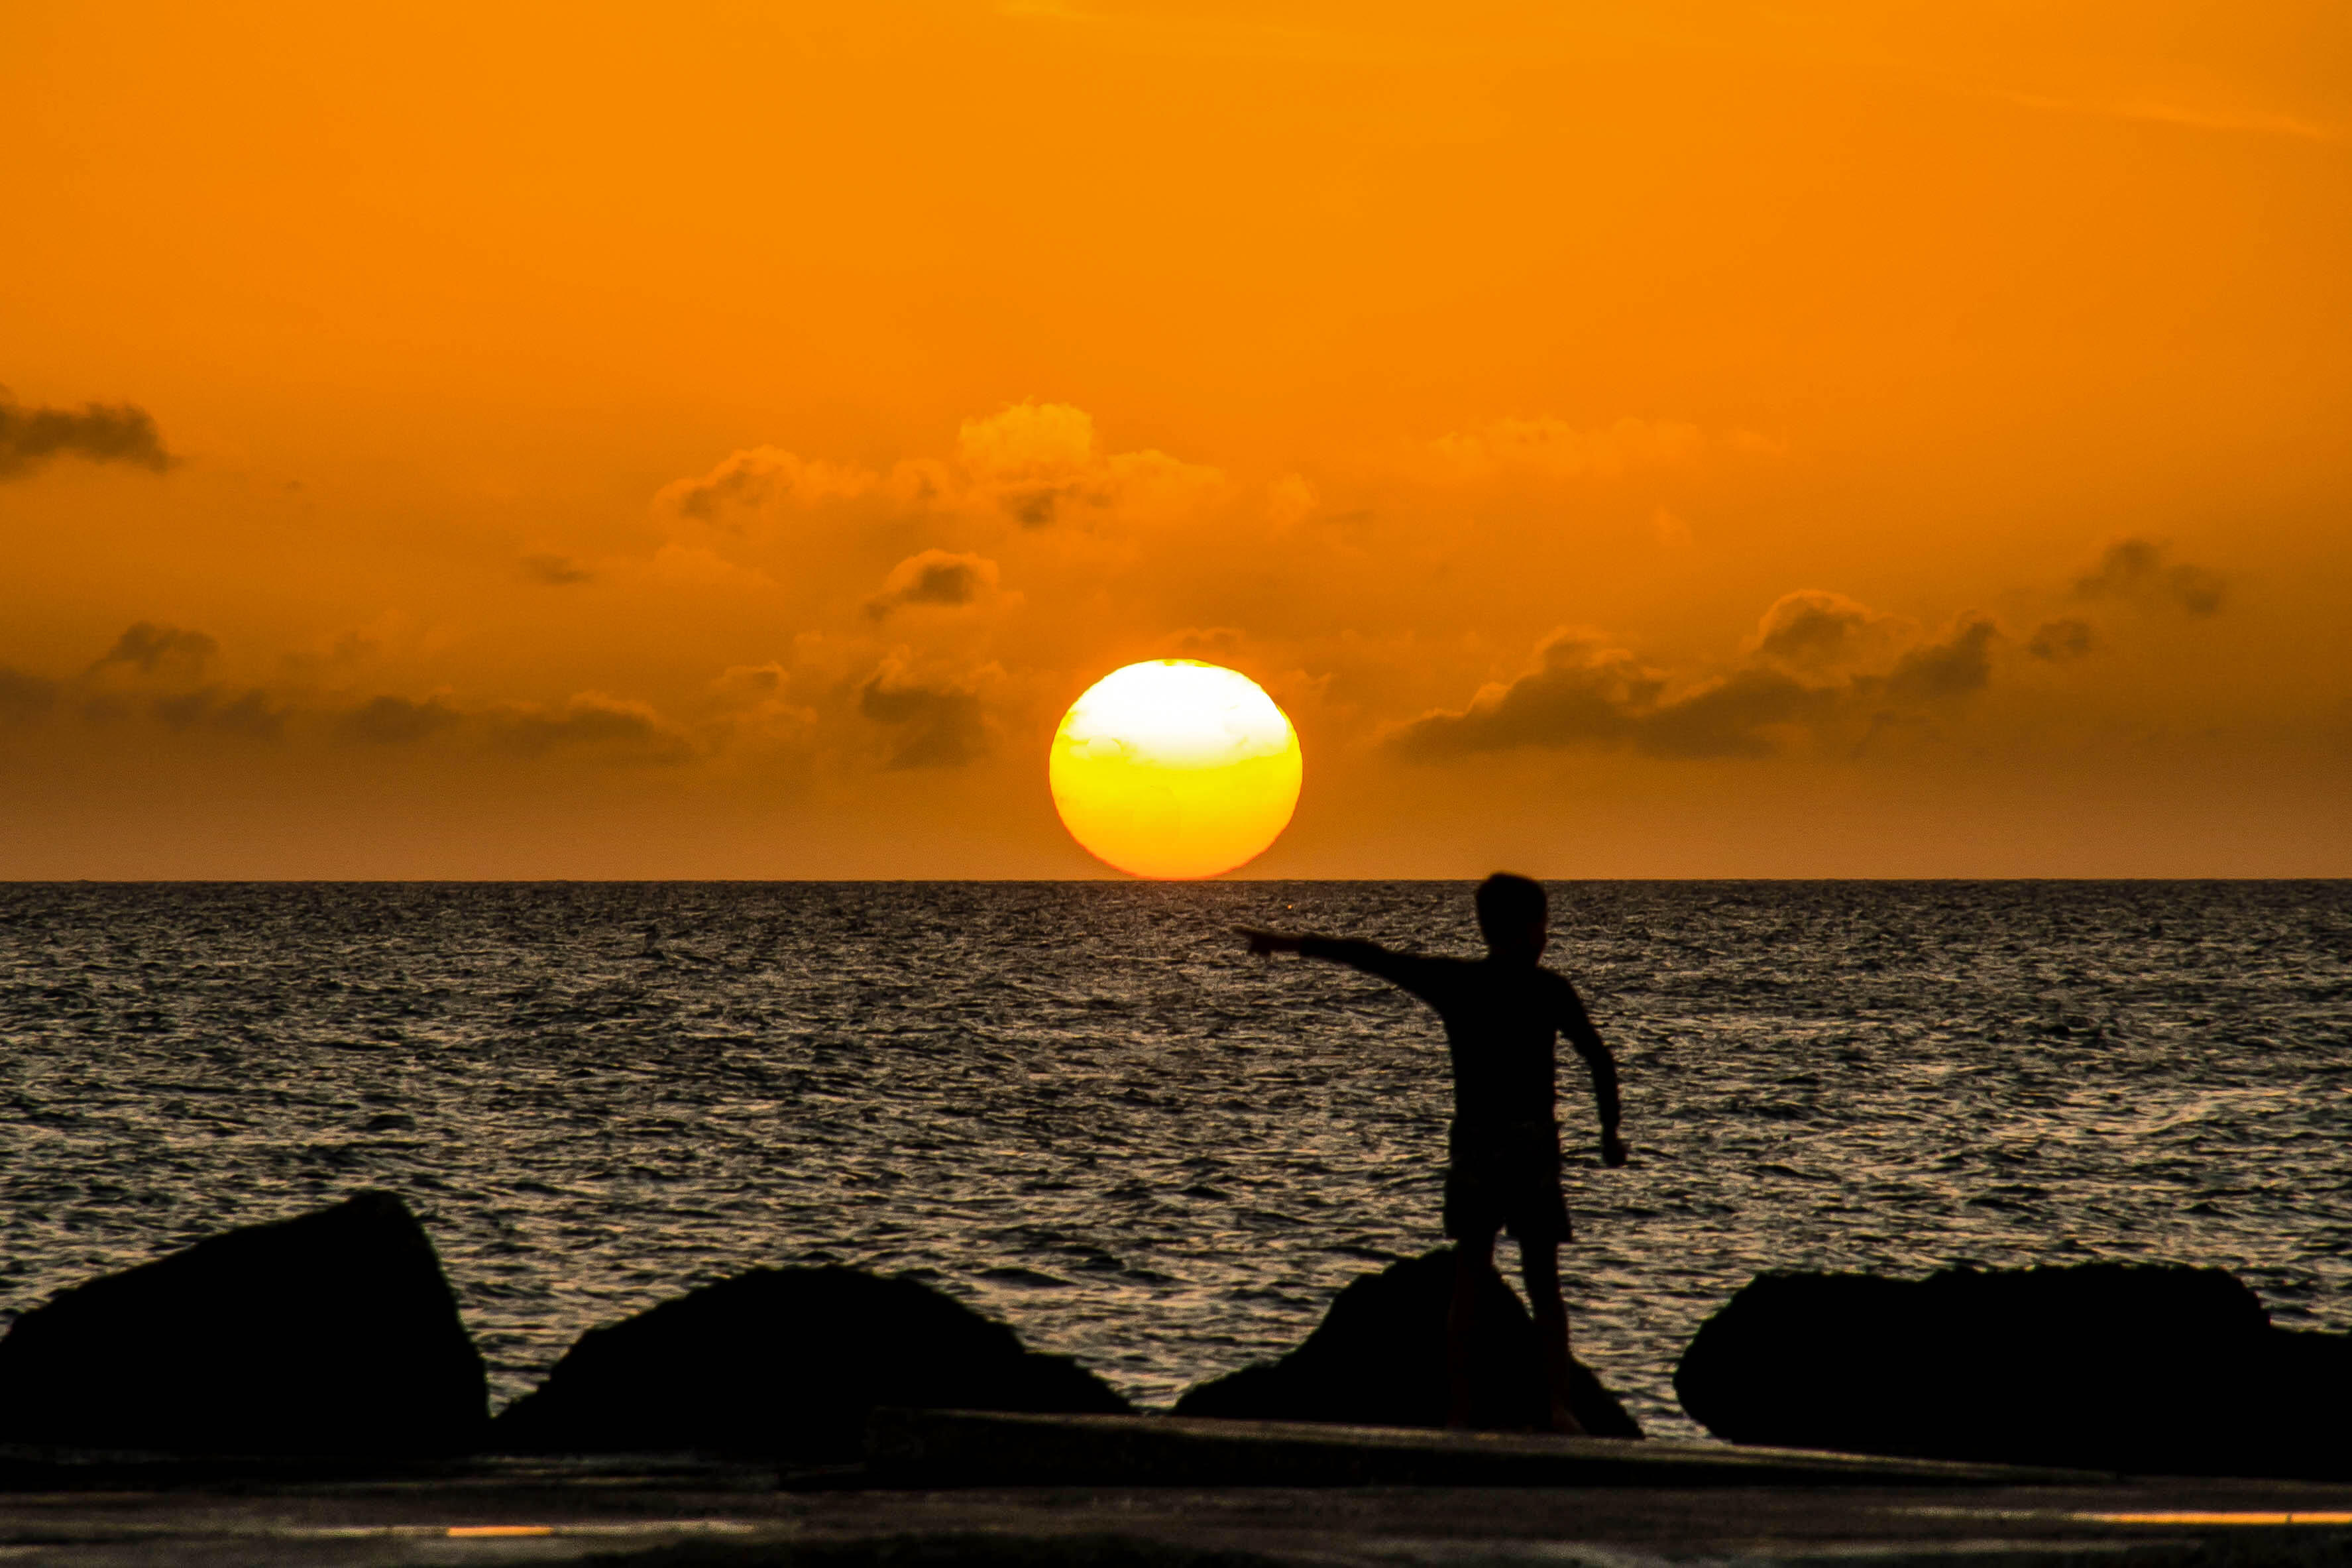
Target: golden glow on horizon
{"x":1837,"y":438}
{"x":1175,"y":769}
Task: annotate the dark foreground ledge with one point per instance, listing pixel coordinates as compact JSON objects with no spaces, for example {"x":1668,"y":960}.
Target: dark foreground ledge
{"x":669,"y":1513}
{"x":975,"y":1447}
{"x":1593,"y":1503}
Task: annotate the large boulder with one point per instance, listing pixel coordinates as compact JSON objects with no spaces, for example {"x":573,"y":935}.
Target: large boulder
{"x":786,"y":1363}
{"x":2147,"y":1369}
{"x":333,"y":1332}
{"x":1378,"y":1359}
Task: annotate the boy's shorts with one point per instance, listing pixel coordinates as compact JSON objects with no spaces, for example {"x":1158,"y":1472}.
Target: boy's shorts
{"x":1506,"y":1178}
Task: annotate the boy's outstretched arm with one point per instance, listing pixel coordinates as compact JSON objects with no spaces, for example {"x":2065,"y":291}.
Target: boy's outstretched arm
{"x":1398,"y":968}
{"x":1263,"y":941}
{"x":1577,"y":1024}
{"x":1370,"y":956}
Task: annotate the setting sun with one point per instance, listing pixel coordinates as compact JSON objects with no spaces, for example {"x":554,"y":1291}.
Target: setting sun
{"x":1174,"y":768}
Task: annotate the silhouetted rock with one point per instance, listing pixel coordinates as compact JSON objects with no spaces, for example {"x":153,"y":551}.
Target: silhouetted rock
{"x":330,"y":1333}
{"x":2151,"y":1370}
{"x":1378,"y":1359}
{"x":786,"y":1361}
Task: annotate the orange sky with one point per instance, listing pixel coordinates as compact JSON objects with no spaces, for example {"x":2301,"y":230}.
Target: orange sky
{"x":719,"y":440}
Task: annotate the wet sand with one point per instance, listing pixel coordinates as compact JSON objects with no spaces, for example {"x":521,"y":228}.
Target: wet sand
{"x":89,"y":1512}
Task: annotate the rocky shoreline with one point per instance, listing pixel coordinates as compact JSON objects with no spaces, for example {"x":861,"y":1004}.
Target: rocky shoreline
{"x":335,"y":1335}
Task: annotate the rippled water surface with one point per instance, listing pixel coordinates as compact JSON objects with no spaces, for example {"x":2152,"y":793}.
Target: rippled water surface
{"x":1083,"y":1109}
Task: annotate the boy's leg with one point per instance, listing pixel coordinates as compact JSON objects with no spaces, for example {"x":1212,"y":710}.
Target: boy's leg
{"x":1539,"y":1264}
{"x":1473,"y":1257}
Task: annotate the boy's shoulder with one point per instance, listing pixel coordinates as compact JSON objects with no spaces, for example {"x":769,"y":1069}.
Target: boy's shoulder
{"x":1553,"y":979}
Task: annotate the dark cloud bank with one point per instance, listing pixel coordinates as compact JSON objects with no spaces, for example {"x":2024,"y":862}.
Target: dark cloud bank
{"x":1584,"y":694}
{"x":593,"y":724}
{"x":154,"y":672}
{"x":97,"y":433}
{"x":2063,"y":640}
{"x":937,"y":578}
{"x":396,"y":720}
{"x":2135,"y":569}
{"x":149,"y":648}
{"x":940,"y":726}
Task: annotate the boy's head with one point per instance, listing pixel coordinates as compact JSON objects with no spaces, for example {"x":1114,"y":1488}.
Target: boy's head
{"x":1512,"y":915}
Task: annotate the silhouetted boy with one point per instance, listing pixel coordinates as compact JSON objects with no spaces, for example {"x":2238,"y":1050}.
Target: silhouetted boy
{"x":1502,"y":1014}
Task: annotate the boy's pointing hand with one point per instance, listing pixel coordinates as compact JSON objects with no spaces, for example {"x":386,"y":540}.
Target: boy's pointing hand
{"x":1266,"y":941}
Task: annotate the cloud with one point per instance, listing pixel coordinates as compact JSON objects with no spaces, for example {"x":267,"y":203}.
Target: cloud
{"x":150,"y":647}
{"x":25,"y":697}
{"x":175,"y":654}
{"x":757,"y":701}
{"x":594,"y":725}
{"x":98,"y":433}
{"x":1806,"y":669}
{"x":2135,"y":570}
{"x":1209,"y":645}
{"x":1554,"y":449}
{"x":1028,"y":441}
{"x":766,"y":477}
{"x":1037,"y":462}
{"x":934,"y":578}
{"x":1732,"y":717}
{"x":555,"y":571}
{"x":757,"y":680}
{"x":938,"y":718}
{"x":771,"y":522}
{"x":1814,"y":633}
{"x":590,"y":727}
{"x":249,"y":715}
{"x":2063,"y":640}
{"x":396,"y":720}
{"x":1960,"y":665}
{"x":1582,"y":692}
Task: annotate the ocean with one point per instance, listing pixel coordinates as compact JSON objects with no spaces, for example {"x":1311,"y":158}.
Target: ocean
{"x":1083,"y":1109}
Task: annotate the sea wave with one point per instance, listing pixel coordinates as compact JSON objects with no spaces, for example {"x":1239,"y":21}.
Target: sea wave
{"x":1084,"y":1109}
